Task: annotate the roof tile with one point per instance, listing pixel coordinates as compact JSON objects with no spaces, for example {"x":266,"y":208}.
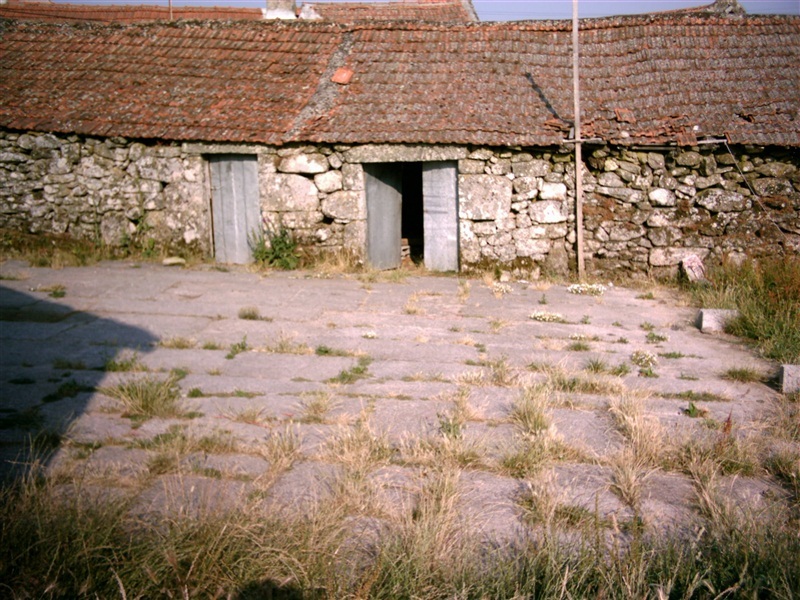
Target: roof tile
{"x":644,"y":80}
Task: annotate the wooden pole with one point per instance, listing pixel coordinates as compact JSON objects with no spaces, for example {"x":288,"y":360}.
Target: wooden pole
{"x":578,"y":158}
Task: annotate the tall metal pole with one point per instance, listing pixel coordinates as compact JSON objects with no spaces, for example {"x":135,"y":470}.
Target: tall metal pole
{"x":578,"y":159}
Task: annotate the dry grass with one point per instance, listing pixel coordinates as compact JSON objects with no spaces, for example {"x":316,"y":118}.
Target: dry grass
{"x":285,"y":344}
{"x":629,"y":472}
{"x":358,"y":448}
{"x":643,"y":434}
{"x":315,"y":406}
{"x":529,"y":411}
{"x":281,"y":448}
{"x":178,"y":343}
{"x":148,"y":397}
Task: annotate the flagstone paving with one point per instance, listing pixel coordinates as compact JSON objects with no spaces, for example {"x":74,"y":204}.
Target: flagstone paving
{"x":424,"y":372}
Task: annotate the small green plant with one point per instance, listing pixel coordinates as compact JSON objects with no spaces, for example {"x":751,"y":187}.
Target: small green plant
{"x":647,"y":296}
{"x":69,"y":389}
{"x":596,"y":365}
{"x":543,"y":299}
{"x":693,"y":396}
{"x":656,"y":338}
{"x":648,"y":372}
{"x":279,"y":250}
{"x":328,"y":351}
{"x":644,"y":359}
{"x":212,"y":346}
{"x":125,"y":363}
{"x":353,"y":374}
{"x":672,"y":355}
{"x":620,"y":370}
{"x":743,"y":375}
{"x":249,"y":313}
{"x":237,"y":348}
{"x":587,"y":289}
{"x":647,"y":326}
{"x":195,"y":392}
{"x":585,"y":320}
{"x":695,"y":412}
{"x":579,"y":347}
{"x":547,"y":317}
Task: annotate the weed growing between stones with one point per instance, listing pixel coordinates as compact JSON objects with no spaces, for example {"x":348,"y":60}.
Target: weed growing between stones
{"x":315,"y":406}
{"x":743,"y":374}
{"x":353,"y":374}
{"x":125,"y":363}
{"x":178,"y":343}
{"x":147,"y":397}
{"x":237,"y":348}
{"x":285,"y":344}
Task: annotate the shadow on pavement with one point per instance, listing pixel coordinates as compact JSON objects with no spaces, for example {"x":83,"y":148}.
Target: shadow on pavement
{"x":52,"y":360}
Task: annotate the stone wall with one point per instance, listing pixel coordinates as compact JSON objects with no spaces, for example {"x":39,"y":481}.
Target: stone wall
{"x":110,"y":190}
{"x":643,"y":210}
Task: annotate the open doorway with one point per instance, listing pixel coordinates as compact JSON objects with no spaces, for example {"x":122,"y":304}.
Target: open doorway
{"x":417,"y":202}
{"x":412,"y":229}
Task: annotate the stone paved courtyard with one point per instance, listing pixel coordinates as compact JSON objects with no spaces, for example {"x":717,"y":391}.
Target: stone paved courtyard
{"x":294,"y":386}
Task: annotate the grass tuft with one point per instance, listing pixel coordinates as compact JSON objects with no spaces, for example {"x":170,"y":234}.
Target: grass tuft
{"x":766,"y":294}
{"x":148,"y":397}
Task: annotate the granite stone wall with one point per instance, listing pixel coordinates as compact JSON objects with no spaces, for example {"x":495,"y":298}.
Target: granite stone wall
{"x":644,"y":210}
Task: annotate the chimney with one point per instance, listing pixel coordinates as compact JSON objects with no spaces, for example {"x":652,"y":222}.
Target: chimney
{"x":280,"y":9}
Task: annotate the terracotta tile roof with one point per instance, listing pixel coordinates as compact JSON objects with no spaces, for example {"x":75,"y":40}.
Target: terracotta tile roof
{"x":644,"y":80}
{"x":191,"y":81}
{"x":415,"y":10}
{"x":50,"y":12}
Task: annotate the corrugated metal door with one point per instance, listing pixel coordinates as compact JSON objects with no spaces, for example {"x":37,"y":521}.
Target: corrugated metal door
{"x":234,"y":206}
{"x":440,"y":220}
{"x":384,"y":183}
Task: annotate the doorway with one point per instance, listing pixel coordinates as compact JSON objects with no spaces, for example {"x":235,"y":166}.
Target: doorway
{"x":235,"y":210}
{"x":415,"y":201}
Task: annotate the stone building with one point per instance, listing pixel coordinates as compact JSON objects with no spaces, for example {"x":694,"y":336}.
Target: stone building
{"x":455,"y":136}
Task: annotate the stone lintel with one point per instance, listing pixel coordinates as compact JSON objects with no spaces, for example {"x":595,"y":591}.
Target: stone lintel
{"x":379,"y":153}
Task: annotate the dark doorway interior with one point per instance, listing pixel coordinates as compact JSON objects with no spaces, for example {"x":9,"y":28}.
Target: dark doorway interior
{"x":412,"y":219}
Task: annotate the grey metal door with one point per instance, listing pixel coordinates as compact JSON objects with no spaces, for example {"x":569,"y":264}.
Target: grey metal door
{"x":234,"y":206}
{"x":440,"y":219}
{"x":384,"y":183}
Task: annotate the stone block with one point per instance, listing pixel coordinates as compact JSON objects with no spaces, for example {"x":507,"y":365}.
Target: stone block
{"x":533,"y":168}
{"x":289,"y":193}
{"x":553,"y":191}
{"x":662,"y":197}
{"x":304,"y":163}
{"x":790,"y":379}
{"x":713,"y":320}
{"x":722,"y":201}
{"x":484,"y":197}
{"x":547,"y":211}
{"x":772,"y":186}
{"x":344,"y":206}
{"x":330,"y":181}
{"x":671,"y":257}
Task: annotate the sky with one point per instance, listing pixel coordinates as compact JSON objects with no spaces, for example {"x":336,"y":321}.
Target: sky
{"x":516,"y":10}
